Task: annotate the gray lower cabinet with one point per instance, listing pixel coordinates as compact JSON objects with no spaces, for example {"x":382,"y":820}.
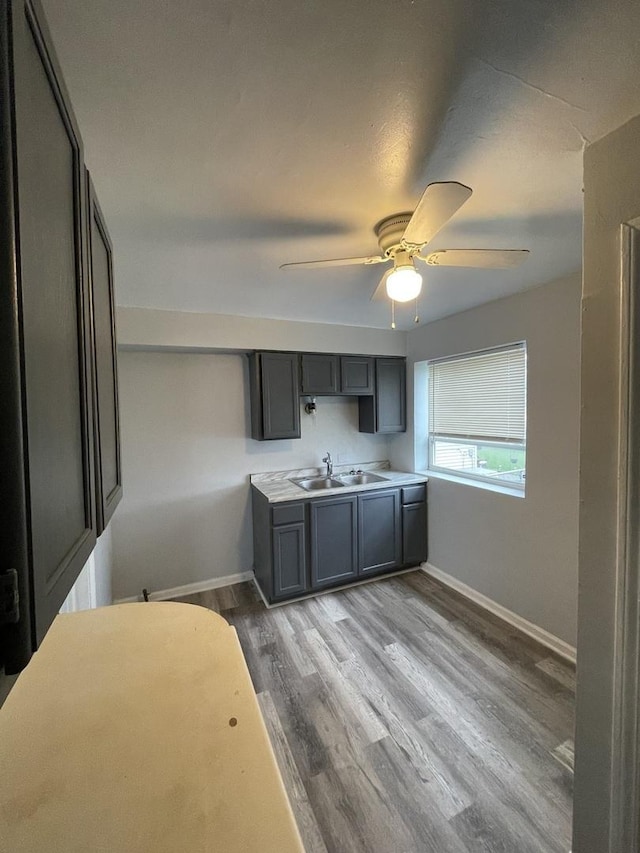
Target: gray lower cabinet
{"x":280,"y":547}
{"x":312,"y":544}
{"x":333,"y":536}
{"x":289,"y":560}
{"x":414,"y":533}
{"x":379,"y":531}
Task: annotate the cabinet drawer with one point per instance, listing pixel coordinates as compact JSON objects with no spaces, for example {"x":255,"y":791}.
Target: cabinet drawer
{"x":287,"y":514}
{"x":414,"y":494}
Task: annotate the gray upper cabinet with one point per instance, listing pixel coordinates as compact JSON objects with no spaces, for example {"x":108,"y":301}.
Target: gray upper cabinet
{"x":105,"y":374}
{"x":379,"y":531}
{"x":274,"y":385}
{"x":333,"y":540}
{"x":386,"y":410}
{"x":320,"y":374}
{"x":277,"y":379}
{"x":356,"y":374}
{"x":391,"y":395}
{"x":48,"y":525}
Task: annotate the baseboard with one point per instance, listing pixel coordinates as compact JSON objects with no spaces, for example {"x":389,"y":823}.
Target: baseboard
{"x":534,"y":631}
{"x":190,"y":588}
{"x":318,"y":592}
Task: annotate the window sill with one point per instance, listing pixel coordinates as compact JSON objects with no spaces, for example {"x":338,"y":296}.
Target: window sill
{"x":476,"y":484}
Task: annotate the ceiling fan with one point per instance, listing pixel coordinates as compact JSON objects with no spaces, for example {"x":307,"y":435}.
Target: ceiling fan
{"x":403,"y":236}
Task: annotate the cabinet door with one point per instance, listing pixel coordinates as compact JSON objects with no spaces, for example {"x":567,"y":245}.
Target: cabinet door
{"x":379,"y":531}
{"x":275,"y":400}
{"x":334,"y":539}
{"x":390,"y":399}
{"x":356,"y":374}
{"x":289,"y":560}
{"x":48,"y":529}
{"x":414,"y":534}
{"x":319,"y":374}
{"x":106,"y":418}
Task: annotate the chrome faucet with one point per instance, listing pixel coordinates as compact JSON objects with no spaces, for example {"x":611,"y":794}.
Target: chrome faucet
{"x":329,"y":462}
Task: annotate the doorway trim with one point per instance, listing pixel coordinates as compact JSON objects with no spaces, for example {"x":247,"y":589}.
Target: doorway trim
{"x":625,"y":772}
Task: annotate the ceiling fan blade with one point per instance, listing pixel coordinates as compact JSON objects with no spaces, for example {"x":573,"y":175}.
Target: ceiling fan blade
{"x":487,"y":259}
{"x":335,"y":262}
{"x":436,"y":207}
{"x":381,"y":291}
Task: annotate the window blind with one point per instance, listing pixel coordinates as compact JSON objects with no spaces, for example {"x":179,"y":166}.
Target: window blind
{"x":481,"y":396}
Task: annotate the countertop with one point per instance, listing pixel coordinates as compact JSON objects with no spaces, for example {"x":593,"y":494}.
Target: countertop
{"x":135,"y":729}
{"x":277,"y":487}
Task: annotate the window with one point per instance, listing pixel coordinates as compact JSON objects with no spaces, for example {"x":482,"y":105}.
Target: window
{"x":478,"y":415}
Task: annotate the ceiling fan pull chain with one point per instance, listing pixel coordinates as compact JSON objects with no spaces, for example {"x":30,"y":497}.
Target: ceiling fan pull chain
{"x":393,"y":314}
{"x":416,"y":319}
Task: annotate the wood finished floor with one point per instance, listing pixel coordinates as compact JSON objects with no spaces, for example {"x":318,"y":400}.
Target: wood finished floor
{"x":407,"y":720}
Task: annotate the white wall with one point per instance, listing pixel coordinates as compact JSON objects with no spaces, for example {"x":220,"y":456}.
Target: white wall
{"x":522,"y":553}
{"x":185,"y":515}
{"x":103,"y":560}
{"x":146,"y":327}
{"x":93,"y":585}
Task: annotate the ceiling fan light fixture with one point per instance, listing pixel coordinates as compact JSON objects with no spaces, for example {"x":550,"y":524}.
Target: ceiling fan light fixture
{"x":404,"y":283}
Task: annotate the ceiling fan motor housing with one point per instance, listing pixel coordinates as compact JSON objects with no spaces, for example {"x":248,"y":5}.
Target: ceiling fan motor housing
{"x":389,"y":232}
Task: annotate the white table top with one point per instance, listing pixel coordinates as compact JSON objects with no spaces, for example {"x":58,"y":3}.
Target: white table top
{"x":135,"y":728}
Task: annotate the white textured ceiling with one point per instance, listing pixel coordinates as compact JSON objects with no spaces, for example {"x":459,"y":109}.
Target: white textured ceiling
{"x":228,"y":137}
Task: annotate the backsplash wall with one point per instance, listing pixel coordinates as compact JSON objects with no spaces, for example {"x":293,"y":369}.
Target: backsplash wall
{"x":186,"y":514}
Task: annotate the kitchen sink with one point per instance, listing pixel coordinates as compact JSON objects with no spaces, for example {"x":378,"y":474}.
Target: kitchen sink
{"x":360,"y":479}
{"x":316,"y":483}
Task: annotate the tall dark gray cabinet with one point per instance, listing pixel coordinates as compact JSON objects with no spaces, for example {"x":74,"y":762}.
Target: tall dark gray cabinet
{"x":105,"y":368}
{"x":47,"y":450}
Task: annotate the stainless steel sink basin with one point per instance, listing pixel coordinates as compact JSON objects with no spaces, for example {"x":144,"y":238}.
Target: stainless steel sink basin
{"x":316,"y":483}
{"x":360,"y":479}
